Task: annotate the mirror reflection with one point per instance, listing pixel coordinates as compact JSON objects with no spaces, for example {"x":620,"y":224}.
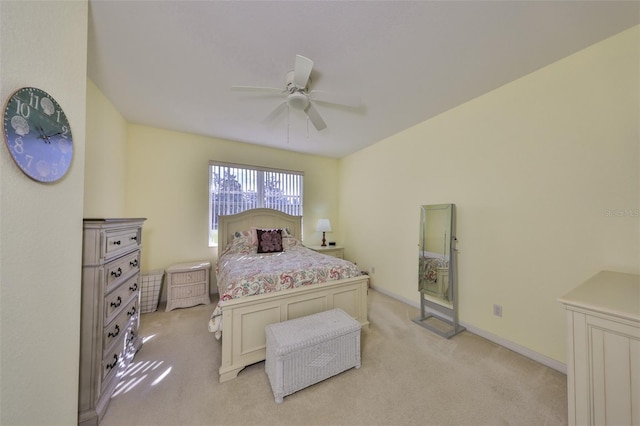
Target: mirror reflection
{"x":435,"y":251}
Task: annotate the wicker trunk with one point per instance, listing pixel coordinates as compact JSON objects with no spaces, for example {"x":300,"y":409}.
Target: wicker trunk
{"x":307,"y":350}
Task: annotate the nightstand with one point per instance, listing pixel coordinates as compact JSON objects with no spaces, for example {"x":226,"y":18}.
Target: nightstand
{"x":335,"y":251}
{"x":188,"y":285}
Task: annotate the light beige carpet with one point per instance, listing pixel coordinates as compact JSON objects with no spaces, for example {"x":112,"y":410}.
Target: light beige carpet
{"x":409,"y":376}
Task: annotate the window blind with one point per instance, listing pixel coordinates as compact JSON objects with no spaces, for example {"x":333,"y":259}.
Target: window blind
{"x":234,"y":188}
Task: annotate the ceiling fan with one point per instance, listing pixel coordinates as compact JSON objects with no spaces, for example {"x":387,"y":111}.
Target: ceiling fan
{"x":298,"y":96}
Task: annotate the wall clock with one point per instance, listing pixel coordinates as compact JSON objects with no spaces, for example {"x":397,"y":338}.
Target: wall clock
{"x":37,"y":134}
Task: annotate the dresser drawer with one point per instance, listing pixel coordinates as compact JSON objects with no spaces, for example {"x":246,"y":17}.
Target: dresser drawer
{"x":119,"y":355}
{"x":119,"y":325}
{"x":119,"y":269}
{"x":113,"y":360}
{"x":122,"y":297}
{"x":120,"y":240}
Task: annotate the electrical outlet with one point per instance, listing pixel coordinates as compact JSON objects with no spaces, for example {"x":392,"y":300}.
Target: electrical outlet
{"x":497,"y":310}
{"x":373,"y":269}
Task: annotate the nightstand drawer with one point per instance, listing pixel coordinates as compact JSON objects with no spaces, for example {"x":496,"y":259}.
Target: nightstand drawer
{"x":179,"y":278}
{"x":186,"y":291}
{"x":335,"y":251}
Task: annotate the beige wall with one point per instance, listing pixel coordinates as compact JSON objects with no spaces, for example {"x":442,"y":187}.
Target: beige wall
{"x":536,"y":168}
{"x":105,"y":159}
{"x":167,"y":182}
{"x":42,"y":44}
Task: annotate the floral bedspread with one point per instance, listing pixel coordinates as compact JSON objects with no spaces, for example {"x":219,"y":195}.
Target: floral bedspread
{"x":241,"y":272}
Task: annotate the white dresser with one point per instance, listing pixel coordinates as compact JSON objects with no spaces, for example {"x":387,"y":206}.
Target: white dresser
{"x":110,"y":315}
{"x":188,"y":284}
{"x":603,"y":350}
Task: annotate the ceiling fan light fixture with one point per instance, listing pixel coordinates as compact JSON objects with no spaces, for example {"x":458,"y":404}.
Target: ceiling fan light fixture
{"x":297,"y":100}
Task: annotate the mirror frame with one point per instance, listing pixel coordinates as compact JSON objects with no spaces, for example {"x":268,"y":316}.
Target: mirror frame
{"x":437,"y":314}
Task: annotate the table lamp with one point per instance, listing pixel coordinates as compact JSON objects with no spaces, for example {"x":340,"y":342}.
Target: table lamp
{"x":323,"y":226}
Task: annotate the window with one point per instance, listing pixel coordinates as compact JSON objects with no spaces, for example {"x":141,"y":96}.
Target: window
{"x":234,"y":188}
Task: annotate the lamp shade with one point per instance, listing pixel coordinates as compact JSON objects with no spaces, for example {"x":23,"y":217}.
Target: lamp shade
{"x":323,"y":225}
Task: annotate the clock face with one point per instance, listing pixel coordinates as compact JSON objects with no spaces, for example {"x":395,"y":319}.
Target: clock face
{"x":38,"y":135}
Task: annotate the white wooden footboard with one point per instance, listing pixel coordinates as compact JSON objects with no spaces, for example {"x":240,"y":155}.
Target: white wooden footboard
{"x":244,"y":320}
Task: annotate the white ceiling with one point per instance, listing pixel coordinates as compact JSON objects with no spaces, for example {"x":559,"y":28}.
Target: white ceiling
{"x":170,"y":64}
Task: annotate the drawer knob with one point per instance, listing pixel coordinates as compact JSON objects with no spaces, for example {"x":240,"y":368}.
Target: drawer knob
{"x":132,"y":311}
{"x":117,"y":303}
{"x":114,"y":363}
{"x":116,"y":243}
{"x":134,"y":287}
{"x":116,"y":273}
{"x":116,"y":332}
{"x":135,"y":238}
{"x":133,"y":263}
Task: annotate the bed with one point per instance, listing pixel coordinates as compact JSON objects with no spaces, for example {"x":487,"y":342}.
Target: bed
{"x":240,"y":317}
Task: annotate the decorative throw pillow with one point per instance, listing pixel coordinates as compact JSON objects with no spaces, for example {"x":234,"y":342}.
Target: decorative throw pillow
{"x":269,"y":240}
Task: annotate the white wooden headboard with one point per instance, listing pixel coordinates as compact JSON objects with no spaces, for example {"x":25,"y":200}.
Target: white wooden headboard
{"x":260,"y":218}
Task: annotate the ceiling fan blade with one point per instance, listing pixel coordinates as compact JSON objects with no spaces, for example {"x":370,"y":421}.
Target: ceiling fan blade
{"x":258,"y":89}
{"x":315,"y":118}
{"x":335,"y":98}
{"x":302,"y":71}
{"x":276,"y":112}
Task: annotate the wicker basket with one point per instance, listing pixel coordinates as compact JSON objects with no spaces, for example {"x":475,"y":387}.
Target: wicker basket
{"x":150,"y":291}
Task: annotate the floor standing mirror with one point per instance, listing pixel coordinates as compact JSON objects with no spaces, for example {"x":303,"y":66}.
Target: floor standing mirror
{"x":437,"y":277}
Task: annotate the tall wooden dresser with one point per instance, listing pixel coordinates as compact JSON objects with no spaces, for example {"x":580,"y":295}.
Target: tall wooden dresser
{"x":110,"y":316}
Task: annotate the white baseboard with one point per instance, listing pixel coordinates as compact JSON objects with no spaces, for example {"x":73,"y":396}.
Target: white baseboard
{"x":542,"y":359}
{"x":395,"y":296}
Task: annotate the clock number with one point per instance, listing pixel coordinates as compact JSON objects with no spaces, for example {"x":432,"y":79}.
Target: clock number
{"x":58,"y":116}
{"x":54,"y":169}
{"x":18,"y":146}
{"x":65,"y":132}
{"x":29,"y":160}
{"x":22,"y":108}
{"x":33,"y":103}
